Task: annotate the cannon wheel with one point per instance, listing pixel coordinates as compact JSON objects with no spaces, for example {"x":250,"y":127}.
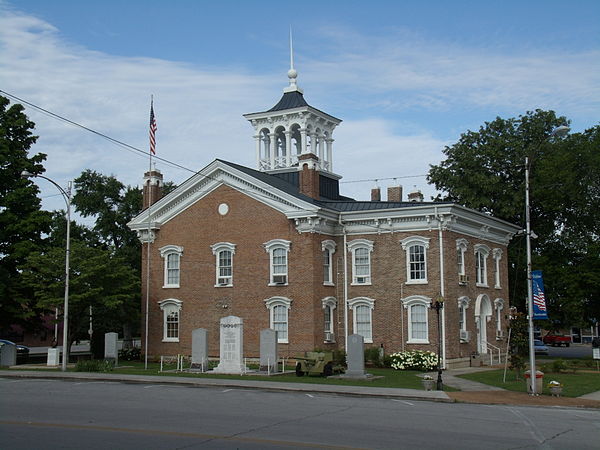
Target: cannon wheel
{"x":328,"y":369}
{"x":299,"y":372}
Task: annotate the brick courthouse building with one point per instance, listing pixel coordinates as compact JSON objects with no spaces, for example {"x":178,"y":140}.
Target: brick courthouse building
{"x":280,"y":247}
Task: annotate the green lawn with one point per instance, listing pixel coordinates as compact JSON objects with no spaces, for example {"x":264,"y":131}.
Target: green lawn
{"x":574,"y":383}
{"x":390,"y":378}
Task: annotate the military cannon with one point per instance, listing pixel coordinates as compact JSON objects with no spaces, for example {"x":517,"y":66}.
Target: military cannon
{"x":315,"y":363}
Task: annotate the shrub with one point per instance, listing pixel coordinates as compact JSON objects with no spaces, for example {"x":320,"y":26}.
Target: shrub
{"x":130,"y":354}
{"x":414,"y":360}
{"x":372,"y":356}
{"x":94,"y":365}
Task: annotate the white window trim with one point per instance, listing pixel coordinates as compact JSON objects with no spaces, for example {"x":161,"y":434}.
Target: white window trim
{"x":216,"y":249}
{"x":485,"y":252}
{"x":270,"y":303}
{"x":499,"y":306}
{"x":167,"y":306}
{"x":353,"y":246}
{"x":362,"y":301}
{"x":329,"y":246}
{"x":461,"y":247}
{"x":407,"y":243}
{"x":497,"y":255}
{"x":464,"y":303}
{"x":330,"y":302}
{"x":164,"y":253}
{"x":270,"y":247}
{"x":411,"y":301}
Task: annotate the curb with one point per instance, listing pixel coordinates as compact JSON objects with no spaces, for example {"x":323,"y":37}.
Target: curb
{"x":353,"y":391}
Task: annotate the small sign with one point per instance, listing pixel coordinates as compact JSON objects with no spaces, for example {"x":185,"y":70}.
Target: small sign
{"x":596,"y":353}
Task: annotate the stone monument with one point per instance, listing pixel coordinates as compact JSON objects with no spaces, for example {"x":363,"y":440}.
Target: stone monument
{"x":268,"y":350}
{"x":355,"y":357}
{"x":231,"y":346}
{"x":111,"y":352}
{"x":53,"y":357}
{"x":200,"y":350}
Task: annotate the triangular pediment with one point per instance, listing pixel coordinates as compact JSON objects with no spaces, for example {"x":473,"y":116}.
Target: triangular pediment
{"x":217,"y":174}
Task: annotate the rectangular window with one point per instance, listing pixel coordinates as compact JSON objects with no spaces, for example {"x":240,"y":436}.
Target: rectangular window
{"x":225,"y":267}
{"x":461,"y":318}
{"x":172,"y":269}
{"x":363,"y":322}
{"x":418,"y":321}
{"x":461,"y":261}
{"x":481,"y":269}
{"x":327,"y":316}
{"x":362,"y":266}
{"x":172,"y":325}
{"x":326,"y":266}
{"x":280,"y":322}
{"x":417,"y":262}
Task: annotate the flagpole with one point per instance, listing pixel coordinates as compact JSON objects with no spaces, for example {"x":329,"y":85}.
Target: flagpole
{"x":152,"y":144}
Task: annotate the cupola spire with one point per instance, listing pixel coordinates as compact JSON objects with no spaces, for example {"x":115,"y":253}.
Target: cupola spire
{"x":292,"y":73}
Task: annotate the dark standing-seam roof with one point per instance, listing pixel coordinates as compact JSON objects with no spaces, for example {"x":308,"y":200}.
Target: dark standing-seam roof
{"x":290,"y":100}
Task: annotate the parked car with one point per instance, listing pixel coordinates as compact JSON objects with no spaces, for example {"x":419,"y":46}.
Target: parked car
{"x":539,"y":347}
{"x":22,"y":351}
{"x":556,"y":340}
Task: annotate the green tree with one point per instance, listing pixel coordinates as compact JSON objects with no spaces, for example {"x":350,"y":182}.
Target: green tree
{"x":519,"y":343}
{"x":22,"y":223}
{"x":98,"y":279}
{"x":484,"y":170}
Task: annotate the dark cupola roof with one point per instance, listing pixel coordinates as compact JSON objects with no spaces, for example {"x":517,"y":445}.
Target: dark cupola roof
{"x":293,"y":99}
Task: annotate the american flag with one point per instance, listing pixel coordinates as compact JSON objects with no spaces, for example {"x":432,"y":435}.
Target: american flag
{"x":152,"y":130}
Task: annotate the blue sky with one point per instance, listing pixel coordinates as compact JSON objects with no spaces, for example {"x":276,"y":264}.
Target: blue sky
{"x":406,"y":77}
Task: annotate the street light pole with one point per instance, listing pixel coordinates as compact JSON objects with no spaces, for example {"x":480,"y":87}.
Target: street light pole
{"x":438,"y":306}
{"x":558,"y":131}
{"x":67,"y":197}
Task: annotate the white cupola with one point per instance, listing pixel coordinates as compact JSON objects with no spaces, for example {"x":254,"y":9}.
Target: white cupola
{"x":292,"y":128}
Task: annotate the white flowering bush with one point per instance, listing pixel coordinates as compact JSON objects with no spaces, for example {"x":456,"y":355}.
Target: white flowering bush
{"x":414,"y":360}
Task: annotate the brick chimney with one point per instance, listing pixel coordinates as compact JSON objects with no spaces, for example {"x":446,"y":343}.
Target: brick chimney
{"x":376,"y":194}
{"x":415,"y":196}
{"x":309,"y":175}
{"x":153,"y":182}
{"x":394,"y":194}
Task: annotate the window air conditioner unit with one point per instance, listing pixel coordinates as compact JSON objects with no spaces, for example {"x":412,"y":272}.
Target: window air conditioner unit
{"x":463,"y":279}
{"x":464,"y":335}
{"x":224,"y":281}
{"x":329,"y":337}
{"x":279,"y":279}
{"x":499,"y":334}
{"x":361,"y":280}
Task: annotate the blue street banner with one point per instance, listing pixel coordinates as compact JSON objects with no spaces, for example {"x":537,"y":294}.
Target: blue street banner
{"x":539,"y":299}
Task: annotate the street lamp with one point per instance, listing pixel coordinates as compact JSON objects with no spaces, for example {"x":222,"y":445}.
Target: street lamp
{"x":438,"y":306}
{"x":67,"y":197}
{"x":558,"y":131}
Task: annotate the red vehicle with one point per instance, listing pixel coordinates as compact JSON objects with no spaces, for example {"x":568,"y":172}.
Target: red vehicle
{"x":556,"y":340}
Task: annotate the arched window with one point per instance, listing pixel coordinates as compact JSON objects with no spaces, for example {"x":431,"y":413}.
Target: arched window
{"x":329,"y":305}
{"x":461,"y":250}
{"x":278,"y":316}
{"x":278,"y":250}
{"x":361,"y":260}
{"x":497,"y":254}
{"x":418,"y":325}
{"x":171,"y":255}
{"x":362,"y":309}
{"x":328,"y":247}
{"x":481,"y":253}
{"x":463,"y":304}
{"x":224,"y":252}
{"x":416,"y":259}
{"x":171,"y":309}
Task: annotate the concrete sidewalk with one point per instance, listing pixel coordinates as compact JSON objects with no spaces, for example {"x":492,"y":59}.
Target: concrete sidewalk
{"x":470,"y":391}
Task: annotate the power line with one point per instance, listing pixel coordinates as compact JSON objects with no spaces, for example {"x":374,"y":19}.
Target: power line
{"x":383,"y":179}
{"x":97,"y":133}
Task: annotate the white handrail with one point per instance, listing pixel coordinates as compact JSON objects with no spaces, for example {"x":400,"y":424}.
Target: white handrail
{"x":494,"y":348}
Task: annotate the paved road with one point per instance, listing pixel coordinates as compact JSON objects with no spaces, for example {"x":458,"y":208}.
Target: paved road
{"x":84,"y":414}
{"x":572,"y":351}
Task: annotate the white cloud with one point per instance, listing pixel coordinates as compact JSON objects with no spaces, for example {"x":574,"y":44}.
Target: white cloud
{"x":199,"y":108}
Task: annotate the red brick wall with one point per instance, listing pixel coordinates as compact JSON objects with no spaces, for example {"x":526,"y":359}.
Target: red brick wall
{"x":249,"y":224}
